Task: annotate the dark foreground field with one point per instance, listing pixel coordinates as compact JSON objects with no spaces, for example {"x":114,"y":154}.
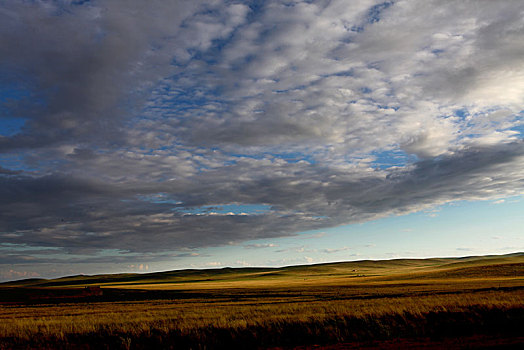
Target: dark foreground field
{"x":473,"y":302}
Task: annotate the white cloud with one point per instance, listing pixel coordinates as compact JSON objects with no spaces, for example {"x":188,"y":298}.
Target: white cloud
{"x":259,"y":245}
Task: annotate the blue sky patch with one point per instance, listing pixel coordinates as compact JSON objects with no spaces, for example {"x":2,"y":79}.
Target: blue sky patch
{"x":388,"y":159}
{"x":375,"y":11}
{"x":236,"y":209}
{"x":11,"y":126}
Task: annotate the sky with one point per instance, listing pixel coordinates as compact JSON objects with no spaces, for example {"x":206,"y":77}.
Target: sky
{"x":154,"y":135}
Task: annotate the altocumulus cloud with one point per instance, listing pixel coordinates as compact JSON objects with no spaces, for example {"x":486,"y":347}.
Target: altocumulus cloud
{"x":137,"y":117}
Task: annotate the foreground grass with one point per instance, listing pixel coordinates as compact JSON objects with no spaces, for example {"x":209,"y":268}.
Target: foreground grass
{"x":322,"y":307}
{"x":271,"y":321}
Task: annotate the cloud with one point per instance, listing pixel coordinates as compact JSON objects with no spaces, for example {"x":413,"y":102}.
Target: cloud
{"x":258,"y":246}
{"x":335,"y":250}
{"x":15,"y":274}
{"x":325,"y":113}
{"x":77,"y":63}
{"x":313,"y":235}
{"x":464,"y":249}
{"x":242,"y":263}
{"x":8,"y":171}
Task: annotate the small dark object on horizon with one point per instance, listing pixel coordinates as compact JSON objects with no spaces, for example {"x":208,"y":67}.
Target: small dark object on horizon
{"x":92,"y":291}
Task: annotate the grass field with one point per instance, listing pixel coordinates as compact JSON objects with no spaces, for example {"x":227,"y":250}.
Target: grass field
{"x":343,"y":305}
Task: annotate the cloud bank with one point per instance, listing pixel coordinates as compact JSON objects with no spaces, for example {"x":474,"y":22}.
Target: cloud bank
{"x":142,"y":119}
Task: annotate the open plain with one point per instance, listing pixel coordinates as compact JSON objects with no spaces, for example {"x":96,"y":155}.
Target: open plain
{"x":474,"y":302}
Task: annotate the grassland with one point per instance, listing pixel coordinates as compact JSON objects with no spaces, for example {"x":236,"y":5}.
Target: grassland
{"x":479,"y":300}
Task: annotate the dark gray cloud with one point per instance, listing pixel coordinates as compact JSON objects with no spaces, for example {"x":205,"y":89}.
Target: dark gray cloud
{"x":9,"y":172}
{"x":84,"y":67}
{"x":85,"y":216}
{"x":143,"y":119}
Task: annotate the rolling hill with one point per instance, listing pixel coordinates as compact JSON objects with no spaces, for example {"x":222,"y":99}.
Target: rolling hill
{"x":355,"y":272}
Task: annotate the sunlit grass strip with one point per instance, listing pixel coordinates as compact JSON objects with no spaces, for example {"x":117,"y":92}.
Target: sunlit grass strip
{"x":200,"y":321}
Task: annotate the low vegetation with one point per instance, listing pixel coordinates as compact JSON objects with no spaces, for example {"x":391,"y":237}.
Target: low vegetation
{"x":323,"y":304}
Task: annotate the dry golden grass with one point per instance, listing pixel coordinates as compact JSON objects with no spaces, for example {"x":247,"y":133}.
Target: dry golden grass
{"x":60,"y":321}
{"x":288,"y":307}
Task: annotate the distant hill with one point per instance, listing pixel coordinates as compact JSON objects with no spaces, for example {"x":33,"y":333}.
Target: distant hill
{"x":492,"y":266}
